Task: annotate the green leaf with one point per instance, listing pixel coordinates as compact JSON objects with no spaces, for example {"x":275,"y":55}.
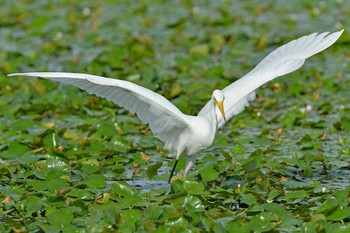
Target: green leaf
{"x":250,"y":166}
{"x":193,"y":204}
{"x":115,"y":58}
{"x":106,"y":128}
{"x":177,"y":222}
{"x":122,"y":189}
{"x":178,"y":186}
{"x":22,"y":124}
{"x":60,"y":219}
{"x":15,"y":150}
{"x":199,"y":50}
{"x":209,"y":173}
{"x":238,"y":227}
{"x":96,"y":181}
{"x":327,"y":206}
{"x":89,"y":169}
{"x":70,"y":135}
{"x":248,"y":199}
{"x":300,"y":194}
{"x":130,"y":201}
{"x":260,"y":223}
{"x":309,"y":227}
{"x":82,"y":194}
{"x":238,"y":150}
{"x":273,"y":194}
{"x":33,"y":204}
{"x":37,"y":185}
{"x":342,"y":212}
{"x":290,"y":119}
{"x":153,"y":169}
{"x":194,"y":188}
{"x":282,"y":213}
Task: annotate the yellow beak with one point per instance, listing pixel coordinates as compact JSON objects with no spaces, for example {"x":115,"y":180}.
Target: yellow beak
{"x":220,"y":105}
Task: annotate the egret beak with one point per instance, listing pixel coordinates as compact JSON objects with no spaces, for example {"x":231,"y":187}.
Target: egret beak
{"x":220,"y":105}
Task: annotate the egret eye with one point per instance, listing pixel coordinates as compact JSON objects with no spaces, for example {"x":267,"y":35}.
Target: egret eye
{"x":218,"y":95}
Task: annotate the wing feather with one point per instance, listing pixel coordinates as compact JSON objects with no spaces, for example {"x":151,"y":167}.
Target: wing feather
{"x":153,"y":109}
{"x":281,"y":61}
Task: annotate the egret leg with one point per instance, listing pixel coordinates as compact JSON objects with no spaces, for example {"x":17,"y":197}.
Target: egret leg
{"x":189,"y":164}
{"x":172,"y":171}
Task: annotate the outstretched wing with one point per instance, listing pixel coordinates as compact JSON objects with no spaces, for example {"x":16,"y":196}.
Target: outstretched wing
{"x":153,"y":109}
{"x":281,"y":61}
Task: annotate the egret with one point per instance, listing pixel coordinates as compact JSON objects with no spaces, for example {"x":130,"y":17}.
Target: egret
{"x":188,"y":135}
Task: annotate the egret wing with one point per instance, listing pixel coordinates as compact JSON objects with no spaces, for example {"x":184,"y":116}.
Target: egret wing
{"x":162,"y":116}
{"x":281,"y":61}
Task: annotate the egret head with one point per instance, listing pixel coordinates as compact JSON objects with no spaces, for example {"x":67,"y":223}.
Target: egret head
{"x":219,"y":99}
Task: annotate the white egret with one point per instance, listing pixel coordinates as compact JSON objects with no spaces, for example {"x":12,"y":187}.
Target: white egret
{"x":185,"y":134}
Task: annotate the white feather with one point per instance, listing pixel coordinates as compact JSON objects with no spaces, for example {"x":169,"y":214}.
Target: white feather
{"x":153,"y":109}
{"x":281,"y":61}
